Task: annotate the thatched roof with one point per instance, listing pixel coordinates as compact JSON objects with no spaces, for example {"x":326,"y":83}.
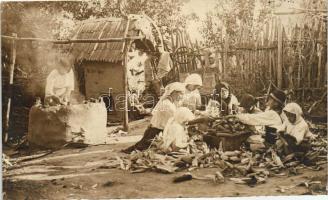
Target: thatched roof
{"x":103,"y":29}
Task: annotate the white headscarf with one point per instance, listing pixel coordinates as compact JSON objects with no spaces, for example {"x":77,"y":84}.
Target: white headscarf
{"x":175,"y":86}
{"x":295,"y":109}
{"x":165,"y":108}
{"x":194,"y":79}
{"x":300,"y":128}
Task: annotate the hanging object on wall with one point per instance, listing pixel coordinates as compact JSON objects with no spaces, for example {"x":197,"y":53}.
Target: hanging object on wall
{"x":164,"y":65}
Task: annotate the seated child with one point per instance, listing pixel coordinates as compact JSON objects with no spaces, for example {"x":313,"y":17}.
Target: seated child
{"x":175,"y":134}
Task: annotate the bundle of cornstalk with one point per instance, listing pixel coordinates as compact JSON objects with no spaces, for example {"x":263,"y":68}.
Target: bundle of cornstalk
{"x":229,"y":124}
{"x":240,"y":166}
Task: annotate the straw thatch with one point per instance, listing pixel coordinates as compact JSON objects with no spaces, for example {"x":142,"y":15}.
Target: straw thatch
{"x":106,"y":28}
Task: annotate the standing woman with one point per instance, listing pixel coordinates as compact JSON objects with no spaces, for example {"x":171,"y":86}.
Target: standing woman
{"x":60,"y":82}
{"x":191,"y":98}
{"x":229,"y":102}
{"x":162,"y":112}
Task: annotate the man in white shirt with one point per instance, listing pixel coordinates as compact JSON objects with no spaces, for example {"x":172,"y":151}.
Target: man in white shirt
{"x":60,"y":83}
{"x":271,"y":118}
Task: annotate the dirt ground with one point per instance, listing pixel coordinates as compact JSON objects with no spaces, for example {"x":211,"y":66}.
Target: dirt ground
{"x":90,"y":181}
{"x":77,"y":173}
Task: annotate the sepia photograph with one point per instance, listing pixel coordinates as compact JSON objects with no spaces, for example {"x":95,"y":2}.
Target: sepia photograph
{"x":149,"y":99}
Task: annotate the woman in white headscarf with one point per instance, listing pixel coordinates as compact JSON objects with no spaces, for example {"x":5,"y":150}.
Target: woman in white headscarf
{"x":228,"y":101}
{"x":162,"y":112}
{"x":175,"y":134}
{"x":295,"y":134}
{"x":192,"y":98}
{"x":295,"y":125}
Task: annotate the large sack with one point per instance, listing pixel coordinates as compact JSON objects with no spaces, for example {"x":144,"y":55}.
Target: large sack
{"x":54,"y":126}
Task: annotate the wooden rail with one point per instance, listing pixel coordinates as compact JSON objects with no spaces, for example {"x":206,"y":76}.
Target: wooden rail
{"x":104,"y":40}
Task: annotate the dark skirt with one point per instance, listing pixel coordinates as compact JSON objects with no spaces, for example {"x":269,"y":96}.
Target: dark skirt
{"x":145,"y":142}
{"x":270,"y":135}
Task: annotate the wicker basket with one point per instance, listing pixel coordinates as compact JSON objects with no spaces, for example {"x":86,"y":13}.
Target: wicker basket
{"x":230,"y":141}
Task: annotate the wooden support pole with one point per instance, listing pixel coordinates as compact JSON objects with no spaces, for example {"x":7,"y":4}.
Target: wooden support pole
{"x":272,"y":52}
{"x":319,"y":66}
{"x":299,"y":57}
{"x":225,"y":56}
{"x":319,"y":57}
{"x":11,"y":81}
{"x":280,"y":51}
{"x":172,"y":41}
{"x":126,"y":89}
{"x":126,"y":46}
{"x":207,"y":58}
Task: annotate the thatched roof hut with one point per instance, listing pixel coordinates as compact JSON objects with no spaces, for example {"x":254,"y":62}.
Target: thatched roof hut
{"x":105,"y":28}
{"x":102,"y":65}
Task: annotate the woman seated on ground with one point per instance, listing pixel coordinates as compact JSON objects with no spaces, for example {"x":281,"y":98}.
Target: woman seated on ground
{"x":248,"y":105}
{"x":270,"y":118}
{"x":175,"y":134}
{"x":162,"y":112}
{"x":229,"y":102}
{"x":192,"y":98}
{"x":295,"y":133}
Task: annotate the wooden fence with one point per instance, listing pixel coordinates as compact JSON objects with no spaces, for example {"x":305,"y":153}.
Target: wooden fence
{"x":294,"y":60}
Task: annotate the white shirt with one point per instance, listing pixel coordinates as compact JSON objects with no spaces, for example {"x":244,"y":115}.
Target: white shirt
{"x":57,"y":84}
{"x":191,"y":99}
{"x":162,"y":112}
{"x":268,"y":118}
{"x":175,"y":134}
{"x":299,"y":130}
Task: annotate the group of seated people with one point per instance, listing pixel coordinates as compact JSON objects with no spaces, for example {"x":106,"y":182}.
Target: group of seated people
{"x":279,"y":124}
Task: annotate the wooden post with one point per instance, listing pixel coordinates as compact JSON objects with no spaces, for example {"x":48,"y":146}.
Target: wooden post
{"x":225,"y":57}
{"x":320,"y":58}
{"x":126,"y":89}
{"x":177,"y":44}
{"x":272,"y":52}
{"x":172,"y":41}
{"x":299,"y":57}
{"x":325,"y":74}
{"x":280,"y":63}
{"x":125,"y":49}
{"x":104,"y":40}
{"x":207,"y":57}
{"x":11,"y":81}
